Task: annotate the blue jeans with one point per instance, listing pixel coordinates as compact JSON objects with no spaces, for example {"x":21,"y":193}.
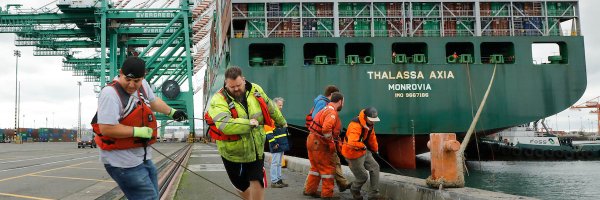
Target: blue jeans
{"x":276,"y":166}
{"x":138,"y":183}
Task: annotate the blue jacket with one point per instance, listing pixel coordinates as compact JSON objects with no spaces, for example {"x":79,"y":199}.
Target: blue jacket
{"x":279,"y":136}
{"x":320,"y":103}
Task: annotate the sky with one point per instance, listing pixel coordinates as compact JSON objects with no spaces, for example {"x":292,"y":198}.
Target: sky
{"x":49,"y":96}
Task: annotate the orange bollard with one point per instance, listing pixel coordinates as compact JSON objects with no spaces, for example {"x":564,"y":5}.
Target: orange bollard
{"x":444,"y":165}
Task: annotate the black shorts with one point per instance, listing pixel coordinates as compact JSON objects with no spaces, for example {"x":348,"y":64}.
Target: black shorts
{"x":240,"y":174}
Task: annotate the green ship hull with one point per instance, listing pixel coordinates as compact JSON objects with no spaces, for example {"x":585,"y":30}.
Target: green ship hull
{"x":435,"y":97}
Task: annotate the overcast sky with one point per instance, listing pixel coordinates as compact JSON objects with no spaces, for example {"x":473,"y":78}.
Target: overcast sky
{"x":52,"y":94}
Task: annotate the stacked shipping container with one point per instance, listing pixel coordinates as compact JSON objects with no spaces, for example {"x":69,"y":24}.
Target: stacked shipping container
{"x":387,"y":19}
{"x":42,"y":134}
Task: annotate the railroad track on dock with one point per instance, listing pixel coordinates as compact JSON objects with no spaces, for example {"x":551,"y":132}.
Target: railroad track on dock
{"x":168,"y":171}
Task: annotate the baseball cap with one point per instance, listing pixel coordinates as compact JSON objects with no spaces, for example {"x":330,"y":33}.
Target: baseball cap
{"x":134,"y":67}
{"x":371,"y":114}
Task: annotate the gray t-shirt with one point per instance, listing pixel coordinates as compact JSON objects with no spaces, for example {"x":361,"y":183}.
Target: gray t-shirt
{"x":111,"y":111}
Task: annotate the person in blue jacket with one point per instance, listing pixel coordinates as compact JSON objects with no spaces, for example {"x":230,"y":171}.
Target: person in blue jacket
{"x":278,"y":143}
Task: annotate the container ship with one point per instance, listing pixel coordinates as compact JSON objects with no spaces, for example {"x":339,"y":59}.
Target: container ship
{"x":425,"y":65}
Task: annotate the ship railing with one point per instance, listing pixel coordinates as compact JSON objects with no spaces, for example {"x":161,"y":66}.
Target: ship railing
{"x":354,"y":13}
{"x":507,"y":59}
{"x":426,"y":33}
{"x":268,"y":62}
{"x":457,"y":33}
{"x":459,"y":13}
{"x":247,"y":14}
{"x":330,"y":61}
{"x":496,"y":32}
{"x":246,"y":34}
{"x":318,"y":13}
{"x":570,"y":33}
{"x":502,"y":13}
{"x":527,"y":32}
{"x":317,"y":33}
{"x":388,"y":33}
{"x":284,"y":33}
{"x":356,"y":33}
{"x":292,"y":13}
{"x":394,"y":13}
{"x":426,"y":13}
{"x":382,"y":33}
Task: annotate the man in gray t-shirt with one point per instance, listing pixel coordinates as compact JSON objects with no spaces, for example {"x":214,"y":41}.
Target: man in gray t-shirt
{"x":126,"y":160}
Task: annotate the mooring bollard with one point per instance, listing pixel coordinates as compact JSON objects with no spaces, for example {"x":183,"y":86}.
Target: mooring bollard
{"x":444,"y":165}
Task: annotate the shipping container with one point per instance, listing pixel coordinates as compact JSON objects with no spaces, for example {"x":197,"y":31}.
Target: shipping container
{"x":394,"y":9}
{"x":425,"y":9}
{"x":290,"y":9}
{"x":395,"y":27}
{"x":560,"y":9}
{"x":324,"y":9}
{"x":380,"y":27}
{"x":346,"y":27}
{"x":240,"y":10}
{"x":255,"y":27}
{"x":494,"y":9}
{"x":256,"y":10}
{"x":380,"y":10}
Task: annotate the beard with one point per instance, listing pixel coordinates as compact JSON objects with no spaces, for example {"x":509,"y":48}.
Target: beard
{"x":340,"y":108}
{"x":238,"y":96}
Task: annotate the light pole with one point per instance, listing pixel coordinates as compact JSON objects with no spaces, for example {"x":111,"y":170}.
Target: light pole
{"x":17,"y":54}
{"x":79,"y":114}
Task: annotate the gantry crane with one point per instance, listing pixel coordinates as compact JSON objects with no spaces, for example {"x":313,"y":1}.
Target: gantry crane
{"x":594,"y":104}
{"x":171,"y":38}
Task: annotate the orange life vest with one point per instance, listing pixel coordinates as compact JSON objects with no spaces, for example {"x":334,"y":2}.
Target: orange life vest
{"x":318,"y":123}
{"x":141,"y":116}
{"x":217,"y":134}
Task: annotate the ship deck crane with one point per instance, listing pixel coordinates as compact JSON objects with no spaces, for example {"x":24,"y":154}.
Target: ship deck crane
{"x":593,"y":104}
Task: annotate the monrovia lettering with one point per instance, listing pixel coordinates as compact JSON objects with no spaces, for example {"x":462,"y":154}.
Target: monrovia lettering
{"x":399,"y":87}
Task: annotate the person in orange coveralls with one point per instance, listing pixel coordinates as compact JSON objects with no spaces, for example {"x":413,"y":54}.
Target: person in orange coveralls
{"x":359,"y":142}
{"x":320,"y":145}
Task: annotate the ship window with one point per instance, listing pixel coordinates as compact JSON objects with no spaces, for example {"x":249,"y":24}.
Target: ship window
{"x":266,"y":55}
{"x":459,"y":52}
{"x":498,"y":52}
{"x":320,"y":54}
{"x":358,"y":53}
{"x":549,"y":53}
{"x":409,"y":52}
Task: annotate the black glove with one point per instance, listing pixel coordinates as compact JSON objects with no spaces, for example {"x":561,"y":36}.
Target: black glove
{"x":178,"y":115}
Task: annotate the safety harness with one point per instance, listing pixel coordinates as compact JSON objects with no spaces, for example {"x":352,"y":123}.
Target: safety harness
{"x":136,"y":114}
{"x":217,"y":134}
{"x":316,"y":127}
{"x":309,"y":119}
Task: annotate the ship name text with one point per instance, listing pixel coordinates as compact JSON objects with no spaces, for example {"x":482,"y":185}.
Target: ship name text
{"x":390,"y":75}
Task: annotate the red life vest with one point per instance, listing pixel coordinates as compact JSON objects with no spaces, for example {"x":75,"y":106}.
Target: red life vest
{"x":309,"y":119}
{"x":217,"y":134}
{"x":140,"y":116}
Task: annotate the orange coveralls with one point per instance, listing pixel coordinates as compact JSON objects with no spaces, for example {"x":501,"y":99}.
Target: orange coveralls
{"x":320,"y":146}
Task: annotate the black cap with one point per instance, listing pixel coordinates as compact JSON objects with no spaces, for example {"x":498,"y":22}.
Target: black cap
{"x":371,"y":114}
{"x":134,"y":67}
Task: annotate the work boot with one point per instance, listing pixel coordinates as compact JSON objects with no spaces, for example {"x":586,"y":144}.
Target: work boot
{"x":356,"y":195}
{"x":376,"y":197}
{"x":277,"y":185}
{"x":282,"y":183}
{"x":343,"y":188}
{"x":331,"y":198}
{"x":317,"y":194}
